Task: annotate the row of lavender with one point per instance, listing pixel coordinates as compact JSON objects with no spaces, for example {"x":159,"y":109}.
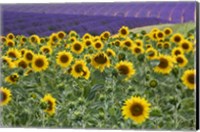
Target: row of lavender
{"x":44,"y":24}
{"x":174,"y":12}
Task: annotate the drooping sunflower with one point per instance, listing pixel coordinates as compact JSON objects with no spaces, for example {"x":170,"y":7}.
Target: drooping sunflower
{"x":61,"y":34}
{"x":181,"y":60}
{"x":177,"y":38}
{"x":137,"y":109}
{"x":64,"y":59}
{"x":125,"y":68}
{"x":151,"y":53}
{"x":123,"y":31}
{"x":10,"y":36}
{"x":34,"y":39}
{"x":188,"y":78}
{"x":165,"y":64}
{"x":139,"y":42}
{"x":100,"y":61}
{"x":186,"y":45}
{"x":12,"y":79}
{"x":86,"y":73}
{"x":98,"y":45}
{"x":21,"y":62}
{"x":51,"y":102}
{"x":28,"y":71}
{"x":167,"y":31}
{"x":10,"y":43}
{"x":46,"y":49}
{"x":77,"y":47}
{"x":13,"y":53}
{"x":110,"y":52}
{"x":177,"y":51}
{"x":128,"y":43}
{"x":7,"y":60}
{"x":39,"y":63}
{"x":5,"y":95}
{"x":78,"y":68}
{"x":29,"y":55}
{"x":137,"y":50}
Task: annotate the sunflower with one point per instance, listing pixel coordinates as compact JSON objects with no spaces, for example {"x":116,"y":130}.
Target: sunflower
{"x":2,"y":39}
{"x":54,"y":38}
{"x":177,"y":38}
{"x":22,"y":51}
{"x":148,"y":46}
{"x":28,"y":71}
{"x":100,"y":61}
{"x":21,"y":62}
{"x":128,"y":43}
{"x":137,"y":109}
{"x":123,"y":31}
{"x":96,"y":38}
{"x":86,"y":73}
{"x":125,"y":68}
{"x":29,"y":55}
{"x":151,"y":53}
{"x":86,"y":36}
{"x":181,"y":60}
{"x":8,"y":61}
{"x":110,"y":52}
{"x":177,"y":51}
{"x":77,"y":47}
{"x":87,"y":42}
{"x":73,"y":33}
{"x":5,"y":95}
{"x":72,"y":39}
{"x":64,"y":59}
{"x":105,"y":35}
{"x":46,"y":49}
{"x":10,"y":36}
{"x":39,"y":63}
{"x":159,"y":45}
{"x":188,"y":78}
{"x":137,"y":50}
{"x":78,"y":68}
{"x":13,"y":53}
{"x":168,"y":31}
{"x":165,"y":64}
{"x":166,"y":45}
{"x":118,"y":43}
{"x":51,"y":102}
{"x":160,"y":35}
{"x":61,"y":35}
{"x":186,"y":45}
{"x":98,"y":45}
{"x":42,"y":40}
{"x":12,"y":79}
{"x":139,"y":42}
{"x":23,"y":40}
{"x":10,"y":43}
{"x":34,"y":39}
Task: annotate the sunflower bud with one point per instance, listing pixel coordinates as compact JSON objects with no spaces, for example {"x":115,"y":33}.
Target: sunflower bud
{"x":102,"y":97}
{"x":121,"y":56}
{"x":156,"y":111}
{"x":178,"y":86}
{"x":43,"y":105}
{"x":71,"y":105}
{"x":147,"y":77}
{"x":33,"y":95}
{"x":109,"y":45}
{"x":175,"y":71}
{"x":143,"y":32}
{"x":153,"y":83}
{"x":81,"y":101}
{"x":101,"y":115}
{"x":78,"y":116}
{"x":172,"y":100}
{"x":141,"y":57}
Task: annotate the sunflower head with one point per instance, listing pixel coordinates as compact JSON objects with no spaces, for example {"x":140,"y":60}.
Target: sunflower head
{"x":123,"y":31}
{"x":23,"y":39}
{"x":54,"y":38}
{"x":177,"y":51}
{"x":181,"y":60}
{"x":159,"y":45}
{"x":166,"y":45}
{"x":148,"y":46}
{"x":22,"y":63}
{"x":188,"y":78}
{"x":105,"y":35}
{"x":51,"y":104}
{"x":86,"y":36}
{"x":110,"y":52}
{"x":34,"y":39}
{"x":177,"y":38}
{"x":139,"y":42}
{"x":5,"y":96}
{"x":186,"y":45}
{"x":73,"y":33}
{"x":39,"y":63}
{"x":12,"y":79}
{"x":98,"y":45}
{"x":13,"y":53}
{"x":29,"y":55}
{"x":61,"y":35}
{"x":46,"y":49}
{"x":10,"y":43}
{"x":168,"y":31}
{"x":137,"y":109}
{"x":64,"y":59}
{"x":88,"y":42}
{"x":151,"y":53}
{"x":128,"y":43}
{"x":10,"y":36}
{"x":137,"y":50}
{"x":8,"y":61}
{"x":77,"y":47}
{"x":160,"y":35}
{"x":79,"y":68}
{"x":3,"y":39}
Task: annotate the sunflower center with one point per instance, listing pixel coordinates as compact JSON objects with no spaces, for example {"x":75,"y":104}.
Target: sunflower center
{"x":151,"y":53}
{"x":154,"y":36}
{"x":159,"y":45}
{"x":12,"y":54}
{"x":61,"y":35}
{"x":78,"y":68}
{"x":167,"y":32}
{"x":29,"y":56}
{"x":64,"y":58}
{"x":22,"y":64}
{"x":177,"y":52}
{"x":33,"y":39}
{"x":100,"y":59}
{"x":10,"y":44}
{"x":185,"y":46}
{"x":39,"y":63}
{"x":180,"y":60}
{"x":97,"y":45}
{"x":46,"y":50}
{"x":128,"y":44}
{"x":88,"y":43}
{"x":177,"y":39}
{"x":160,"y":35}
{"x":166,"y":45}
{"x":163,"y":63}
{"x":106,"y":35}
{"x":54,"y":38}
{"x":10,"y":37}
{"x":50,"y":106}
{"x":24,"y":39}
{"x":123,"y":31}
{"x":77,"y":47}
{"x":191,"y":78}
{"x":137,"y":50}
{"x":3,"y":96}
{"x":138,"y":44}
{"x":136,"y":109}
{"x":109,"y":53}
{"x":117,"y":43}
{"x":3,"y":39}
{"x":123,"y":69}
{"x":13,"y":78}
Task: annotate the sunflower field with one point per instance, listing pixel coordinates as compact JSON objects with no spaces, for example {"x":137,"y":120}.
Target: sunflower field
{"x":141,"y":79}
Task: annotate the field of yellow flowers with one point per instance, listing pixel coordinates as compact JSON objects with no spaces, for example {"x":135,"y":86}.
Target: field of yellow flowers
{"x":129,"y":80}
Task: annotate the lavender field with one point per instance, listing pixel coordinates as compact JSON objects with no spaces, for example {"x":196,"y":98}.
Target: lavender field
{"x":98,"y":65}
